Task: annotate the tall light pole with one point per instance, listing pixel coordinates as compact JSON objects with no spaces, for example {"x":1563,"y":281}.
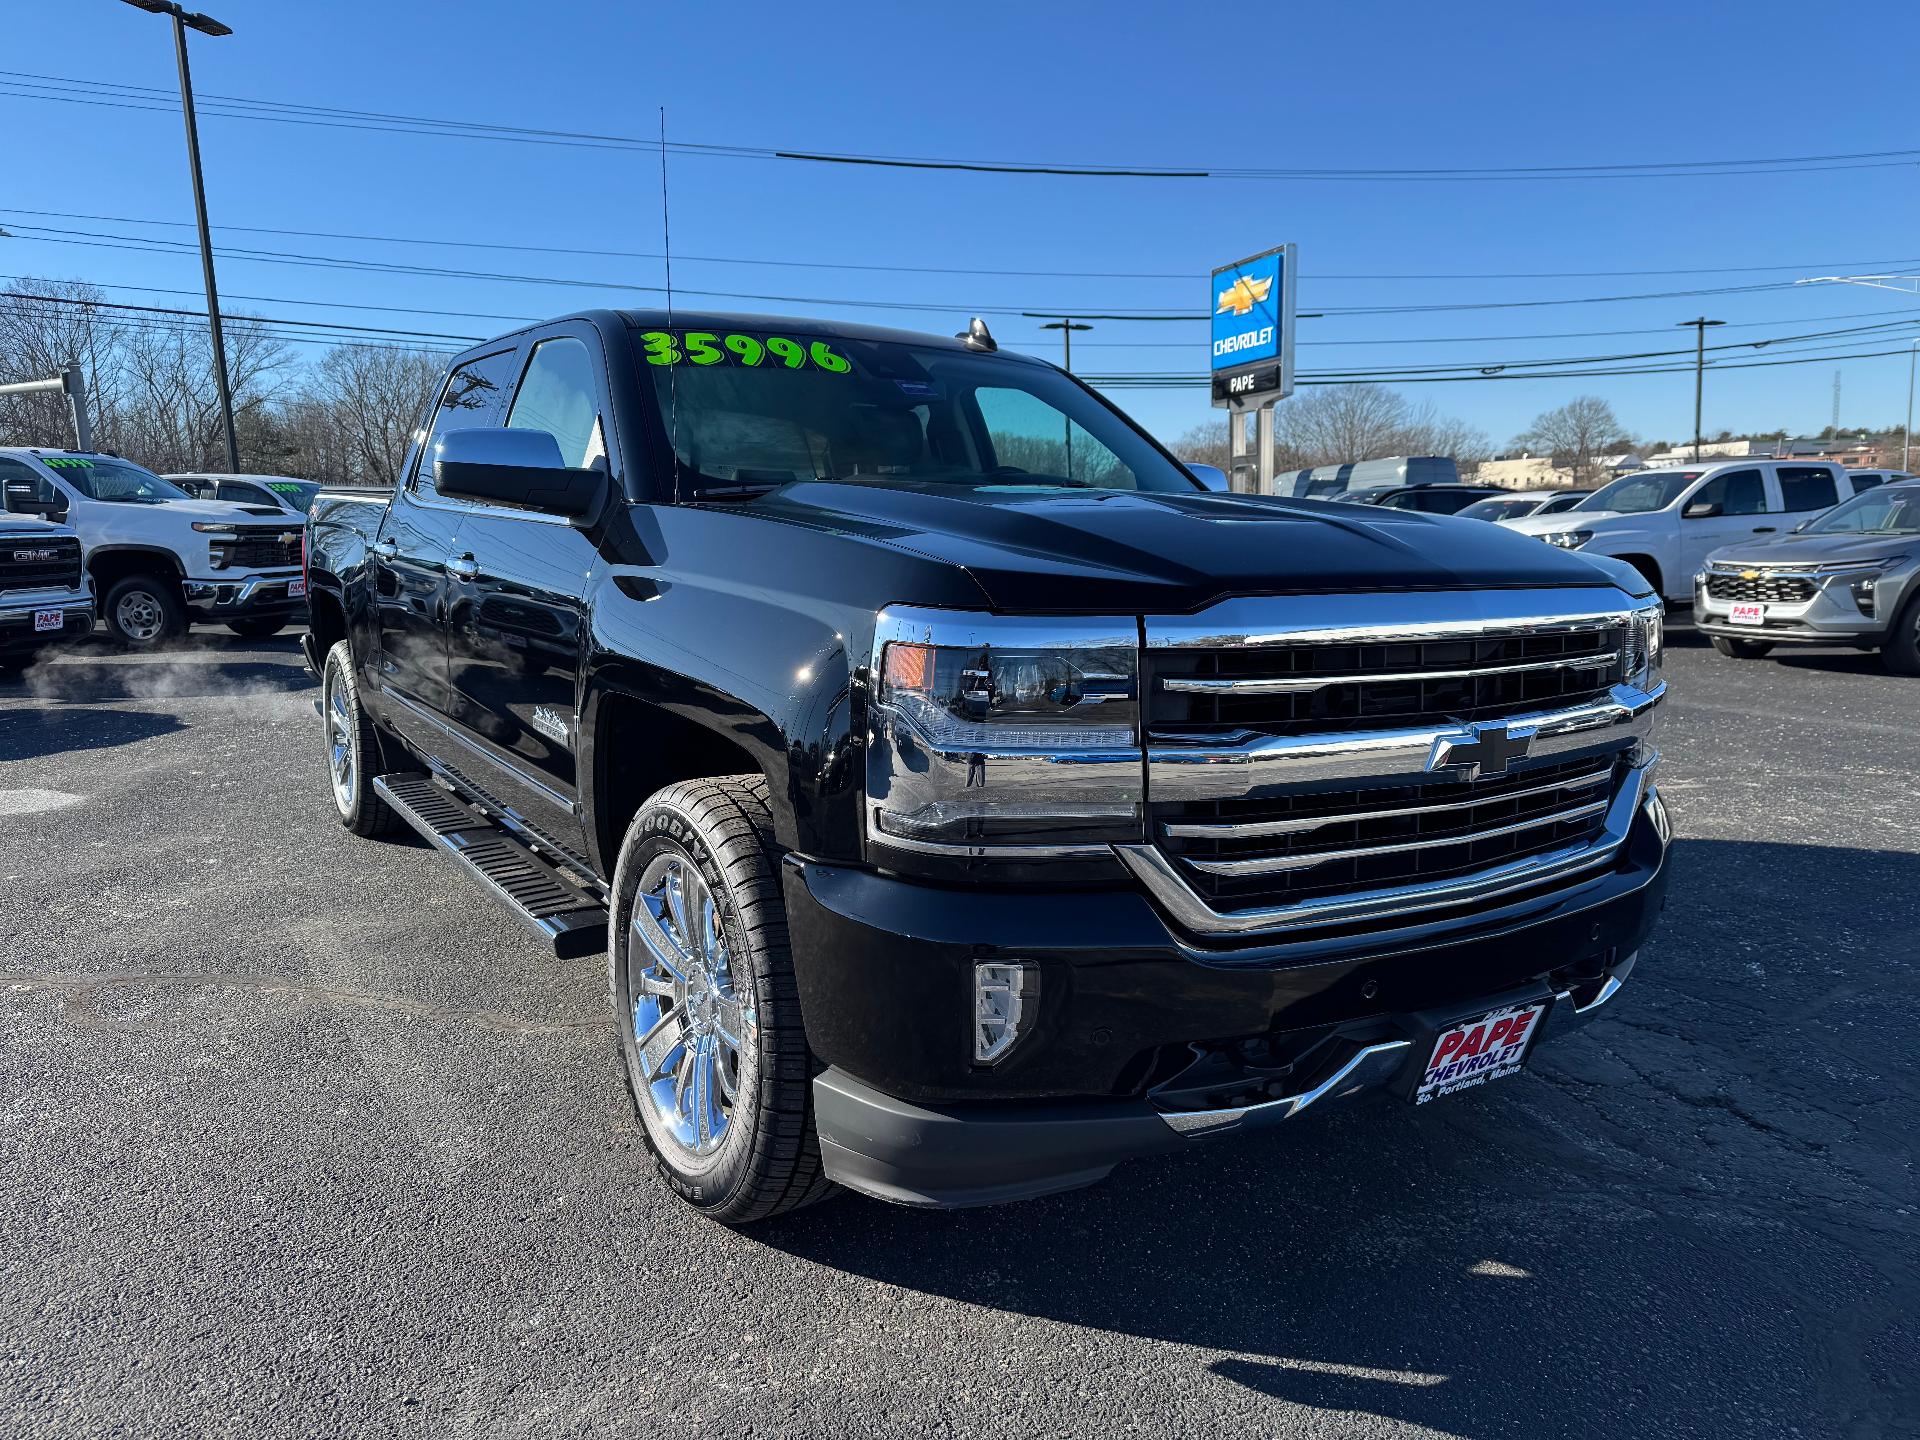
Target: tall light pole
{"x":1699,"y":371}
{"x":1906,"y":431}
{"x":183,"y":20}
{"x":1066,"y":325}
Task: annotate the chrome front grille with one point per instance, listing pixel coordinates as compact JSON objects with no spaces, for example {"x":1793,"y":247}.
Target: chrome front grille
{"x":1351,"y":760}
{"x":1296,"y":847}
{"x":274,"y":549}
{"x":1773,"y":586}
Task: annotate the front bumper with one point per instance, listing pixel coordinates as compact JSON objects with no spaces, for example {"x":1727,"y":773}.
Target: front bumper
{"x":954,"y":1156}
{"x":260,"y":594}
{"x":1831,"y":616}
{"x":18,"y":609}
{"x":1125,"y":997}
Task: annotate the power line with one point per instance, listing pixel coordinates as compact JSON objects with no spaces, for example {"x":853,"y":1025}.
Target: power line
{"x":37,"y":85}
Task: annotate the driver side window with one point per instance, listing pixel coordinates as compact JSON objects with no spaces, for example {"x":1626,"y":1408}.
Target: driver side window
{"x":1736,"y":492}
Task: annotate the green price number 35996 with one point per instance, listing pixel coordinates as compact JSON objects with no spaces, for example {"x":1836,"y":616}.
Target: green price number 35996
{"x":706,"y":347}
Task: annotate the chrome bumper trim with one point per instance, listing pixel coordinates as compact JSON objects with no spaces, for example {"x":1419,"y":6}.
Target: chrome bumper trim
{"x":1236,"y":765}
{"x":1366,"y":1069}
{"x":1162,"y":879}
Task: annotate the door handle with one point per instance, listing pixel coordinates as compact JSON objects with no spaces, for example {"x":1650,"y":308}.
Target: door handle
{"x":463,"y":567}
{"x":384,"y":549}
{"x":1765,"y":529}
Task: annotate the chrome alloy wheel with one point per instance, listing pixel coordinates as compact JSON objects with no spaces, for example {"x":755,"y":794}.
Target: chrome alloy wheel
{"x":696,"y":1034}
{"x":139,"y":616}
{"x":339,"y":742}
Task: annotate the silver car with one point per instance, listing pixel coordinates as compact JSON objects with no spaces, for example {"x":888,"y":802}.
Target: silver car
{"x":1850,"y":576}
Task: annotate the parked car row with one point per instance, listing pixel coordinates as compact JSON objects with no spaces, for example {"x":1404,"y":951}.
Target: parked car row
{"x":151,"y":554}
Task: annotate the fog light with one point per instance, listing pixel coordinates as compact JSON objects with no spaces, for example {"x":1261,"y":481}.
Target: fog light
{"x":1863,"y":592}
{"x":1002,"y":1001}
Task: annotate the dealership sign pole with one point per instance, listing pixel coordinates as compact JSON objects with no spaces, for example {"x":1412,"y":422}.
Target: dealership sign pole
{"x":1252,"y":303}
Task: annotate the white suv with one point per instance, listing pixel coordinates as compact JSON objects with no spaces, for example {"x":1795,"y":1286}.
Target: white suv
{"x":159,"y":558}
{"x":1664,"y":522}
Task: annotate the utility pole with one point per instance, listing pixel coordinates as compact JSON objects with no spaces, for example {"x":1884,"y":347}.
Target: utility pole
{"x":1066,"y":325}
{"x":1699,"y":371}
{"x":1906,"y":432}
{"x":182,"y":21}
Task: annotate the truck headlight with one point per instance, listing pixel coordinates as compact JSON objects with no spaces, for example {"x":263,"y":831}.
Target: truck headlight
{"x":1011,"y":738}
{"x":1646,"y":642}
{"x":1567,"y":539}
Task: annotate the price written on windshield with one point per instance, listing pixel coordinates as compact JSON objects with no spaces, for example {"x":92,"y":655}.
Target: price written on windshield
{"x":708,"y":347}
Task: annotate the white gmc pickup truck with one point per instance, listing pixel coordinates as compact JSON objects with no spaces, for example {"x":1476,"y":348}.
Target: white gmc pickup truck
{"x":157,"y":557}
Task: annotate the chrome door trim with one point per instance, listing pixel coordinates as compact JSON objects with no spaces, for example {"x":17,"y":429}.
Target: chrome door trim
{"x":473,"y":747}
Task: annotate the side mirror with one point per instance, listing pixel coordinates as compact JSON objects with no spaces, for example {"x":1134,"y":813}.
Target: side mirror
{"x":1701,"y":510}
{"x":1211,"y":476}
{"x":516,"y":467}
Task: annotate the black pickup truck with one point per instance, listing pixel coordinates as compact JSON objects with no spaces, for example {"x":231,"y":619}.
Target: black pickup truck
{"x":967,"y":798}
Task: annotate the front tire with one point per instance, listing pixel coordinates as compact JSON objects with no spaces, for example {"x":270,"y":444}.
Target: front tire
{"x":352,"y":749}
{"x":144,"y":612}
{"x":701,"y":979}
{"x":1741,"y":649}
{"x":1901,"y":653}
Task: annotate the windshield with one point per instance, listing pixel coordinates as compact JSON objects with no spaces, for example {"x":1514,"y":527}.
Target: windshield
{"x":1894,"y":511}
{"x":749,"y":411}
{"x":294,"y":494}
{"x":121,"y":481}
{"x":1500,"y":509}
{"x":1641,"y":494}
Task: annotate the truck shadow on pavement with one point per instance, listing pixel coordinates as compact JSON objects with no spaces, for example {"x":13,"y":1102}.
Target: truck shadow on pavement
{"x":1684,"y":1218}
{"x":29,"y":735}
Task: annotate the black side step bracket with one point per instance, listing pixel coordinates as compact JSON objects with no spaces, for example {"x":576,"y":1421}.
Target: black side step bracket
{"x":573,"y":922}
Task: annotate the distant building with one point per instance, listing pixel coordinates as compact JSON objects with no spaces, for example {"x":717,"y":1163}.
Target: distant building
{"x":1539,"y":472}
{"x":1844,"y":450}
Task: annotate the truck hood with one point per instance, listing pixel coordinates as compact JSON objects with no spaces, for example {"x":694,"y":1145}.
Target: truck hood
{"x":31,"y":527}
{"x":1815,"y":549}
{"x":228,"y":510}
{"x":1121,"y":551}
{"x":1554,"y":524}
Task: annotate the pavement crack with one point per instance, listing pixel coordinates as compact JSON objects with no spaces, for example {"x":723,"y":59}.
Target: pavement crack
{"x":81,"y":990}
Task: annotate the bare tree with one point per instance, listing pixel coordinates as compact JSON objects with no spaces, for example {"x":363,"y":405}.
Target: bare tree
{"x":1576,"y":434}
{"x":45,"y":324}
{"x":171,"y":419}
{"x":1340,"y":424}
{"x":373,"y":398}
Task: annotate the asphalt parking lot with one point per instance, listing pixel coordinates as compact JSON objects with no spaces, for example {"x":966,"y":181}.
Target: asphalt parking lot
{"x":300,"y":1135}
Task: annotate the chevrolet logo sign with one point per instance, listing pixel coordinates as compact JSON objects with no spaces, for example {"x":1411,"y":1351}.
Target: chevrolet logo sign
{"x":1486,"y":750}
{"x":1246,"y":292}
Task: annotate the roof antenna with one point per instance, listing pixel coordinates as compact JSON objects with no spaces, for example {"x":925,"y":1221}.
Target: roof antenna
{"x":673,"y":372}
{"x":977,"y":336}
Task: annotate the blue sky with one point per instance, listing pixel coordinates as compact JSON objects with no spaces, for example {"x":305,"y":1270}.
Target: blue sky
{"x":1356,"y":86}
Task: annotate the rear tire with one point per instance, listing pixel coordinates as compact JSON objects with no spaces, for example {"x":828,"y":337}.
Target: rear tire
{"x":144,"y":612}
{"x":1901,"y":653}
{"x":1741,"y":649}
{"x":353,"y":750}
{"x":698,"y":956}
{"x":257,"y":627}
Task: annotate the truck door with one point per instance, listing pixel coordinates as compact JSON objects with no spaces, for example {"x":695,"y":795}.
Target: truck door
{"x":518,"y":624}
{"x":1730,"y":506}
{"x":408,"y":562}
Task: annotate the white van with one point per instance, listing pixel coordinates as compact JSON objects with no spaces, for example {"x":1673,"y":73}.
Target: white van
{"x":1664,"y":522}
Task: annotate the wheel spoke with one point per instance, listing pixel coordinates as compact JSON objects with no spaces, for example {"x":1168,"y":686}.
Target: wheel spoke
{"x":703,"y":1063}
{"x":660,"y":1042}
{"x":667,"y":952}
{"x":678,"y":883}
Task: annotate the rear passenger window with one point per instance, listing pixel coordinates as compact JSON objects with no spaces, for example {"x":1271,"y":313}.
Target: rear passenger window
{"x":1807,"y":487}
{"x":472,"y":397}
{"x":1865,"y":481}
{"x":558,"y":395}
{"x":1736,"y":492}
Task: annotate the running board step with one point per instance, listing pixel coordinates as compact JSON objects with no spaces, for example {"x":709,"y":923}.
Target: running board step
{"x":571,"y":921}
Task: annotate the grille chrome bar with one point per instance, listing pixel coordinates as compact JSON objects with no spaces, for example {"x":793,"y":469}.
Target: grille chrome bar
{"x":1383,"y":617}
{"x":1239,"y":764}
{"x":1260,"y":829}
{"x":1294,"y":685}
{"x":1307,"y":859}
{"x":1159,"y":874}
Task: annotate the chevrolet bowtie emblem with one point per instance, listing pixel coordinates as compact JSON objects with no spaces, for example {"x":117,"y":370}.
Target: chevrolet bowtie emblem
{"x":1749,"y":574}
{"x":1488,"y":750}
{"x":1246,"y":292}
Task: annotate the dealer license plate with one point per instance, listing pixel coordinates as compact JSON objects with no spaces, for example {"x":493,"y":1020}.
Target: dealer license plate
{"x":1748,"y":614}
{"x":296,"y":589}
{"x":48,"y":620}
{"x":1475,"y":1051}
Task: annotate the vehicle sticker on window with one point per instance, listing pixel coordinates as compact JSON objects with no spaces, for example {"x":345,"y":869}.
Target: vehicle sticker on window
{"x":66,"y":462}
{"x":708,"y":347}
{"x":283,"y":488}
